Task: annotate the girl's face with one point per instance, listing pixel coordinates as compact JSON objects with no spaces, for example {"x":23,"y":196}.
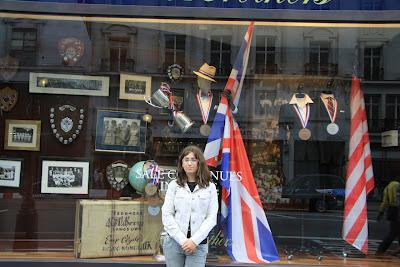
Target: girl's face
{"x":190,"y":164}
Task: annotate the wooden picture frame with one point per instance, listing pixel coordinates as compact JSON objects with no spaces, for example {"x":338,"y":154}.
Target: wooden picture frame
{"x":66,"y":84}
{"x":134,"y":87}
{"x":22,"y":135}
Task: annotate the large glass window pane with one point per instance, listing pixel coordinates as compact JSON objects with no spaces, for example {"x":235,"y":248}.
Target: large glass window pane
{"x":105,"y":75}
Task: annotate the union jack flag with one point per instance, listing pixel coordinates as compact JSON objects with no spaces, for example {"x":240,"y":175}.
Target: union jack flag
{"x":243,"y":217}
{"x":359,"y":177}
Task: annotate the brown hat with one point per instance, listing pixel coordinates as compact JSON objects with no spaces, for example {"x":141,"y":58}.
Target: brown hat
{"x":207,"y":72}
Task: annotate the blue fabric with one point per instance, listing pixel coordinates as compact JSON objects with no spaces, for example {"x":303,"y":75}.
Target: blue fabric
{"x":176,"y":257}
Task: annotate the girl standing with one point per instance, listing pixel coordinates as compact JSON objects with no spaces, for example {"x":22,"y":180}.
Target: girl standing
{"x":189,"y":212}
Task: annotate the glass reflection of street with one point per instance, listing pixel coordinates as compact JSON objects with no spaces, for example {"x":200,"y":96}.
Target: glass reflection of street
{"x":315,"y":233}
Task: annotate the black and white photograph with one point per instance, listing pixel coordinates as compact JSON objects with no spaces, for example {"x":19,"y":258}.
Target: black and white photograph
{"x":22,"y":135}
{"x":134,"y":87}
{"x":49,"y":83}
{"x":120,"y":131}
{"x":65,"y":177}
{"x":10,"y":172}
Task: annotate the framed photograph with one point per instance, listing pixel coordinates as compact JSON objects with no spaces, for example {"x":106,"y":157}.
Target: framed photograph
{"x":10,"y":172}
{"x":48,"y":83}
{"x":65,"y":177}
{"x":120,"y":131}
{"x":178,"y":96}
{"x":134,"y":87}
{"x":22,"y":135}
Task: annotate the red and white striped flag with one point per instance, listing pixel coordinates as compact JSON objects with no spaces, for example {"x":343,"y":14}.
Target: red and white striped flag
{"x":359,"y":177}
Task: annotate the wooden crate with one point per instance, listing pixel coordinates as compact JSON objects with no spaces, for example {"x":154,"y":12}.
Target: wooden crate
{"x":110,"y":228}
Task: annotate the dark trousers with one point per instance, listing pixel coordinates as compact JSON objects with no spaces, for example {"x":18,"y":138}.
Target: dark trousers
{"x":394,"y":233}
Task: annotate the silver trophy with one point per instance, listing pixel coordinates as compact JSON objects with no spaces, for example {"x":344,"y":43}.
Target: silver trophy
{"x":162,"y":98}
{"x":182,"y":121}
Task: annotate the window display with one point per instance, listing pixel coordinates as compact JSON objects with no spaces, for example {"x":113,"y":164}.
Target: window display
{"x":90,"y":103}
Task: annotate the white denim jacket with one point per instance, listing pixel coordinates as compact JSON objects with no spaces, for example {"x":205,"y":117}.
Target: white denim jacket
{"x":181,"y":205}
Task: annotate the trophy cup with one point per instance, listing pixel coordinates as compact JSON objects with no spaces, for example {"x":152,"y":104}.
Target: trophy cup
{"x":162,"y":98}
{"x":182,"y":121}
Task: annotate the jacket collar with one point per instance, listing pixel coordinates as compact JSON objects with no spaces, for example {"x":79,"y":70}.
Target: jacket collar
{"x":301,"y":103}
{"x":195,"y":188}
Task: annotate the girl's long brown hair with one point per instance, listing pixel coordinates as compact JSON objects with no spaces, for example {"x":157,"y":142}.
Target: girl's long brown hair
{"x":203,"y":176}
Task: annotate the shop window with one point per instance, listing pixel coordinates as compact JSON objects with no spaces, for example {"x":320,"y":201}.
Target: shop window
{"x":266,"y":55}
{"x":175,"y":50}
{"x":221,"y":54}
{"x":319,"y":62}
{"x":372,"y":104}
{"x":373,"y":69}
{"x":392,"y":112}
{"x":282,"y":155}
{"x":23,"y":45}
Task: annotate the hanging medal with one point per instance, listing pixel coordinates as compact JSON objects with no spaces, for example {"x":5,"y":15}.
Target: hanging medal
{"x":205,"y":107}
{"x":304,"y":134}
{"x":332,"y":127}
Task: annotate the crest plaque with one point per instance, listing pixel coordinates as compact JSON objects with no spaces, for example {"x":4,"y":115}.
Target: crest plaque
{"x":117,"y":174}
{"x":66,"y":123}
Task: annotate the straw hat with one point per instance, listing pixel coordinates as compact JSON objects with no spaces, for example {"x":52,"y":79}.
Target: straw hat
{"x":207,"y":72}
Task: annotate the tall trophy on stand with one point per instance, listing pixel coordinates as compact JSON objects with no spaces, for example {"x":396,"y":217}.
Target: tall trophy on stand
{"x":163,"y":98}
